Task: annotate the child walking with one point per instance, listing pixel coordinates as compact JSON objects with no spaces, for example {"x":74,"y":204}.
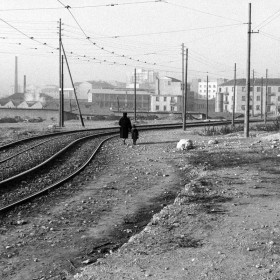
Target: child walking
{"x":134,"y":134}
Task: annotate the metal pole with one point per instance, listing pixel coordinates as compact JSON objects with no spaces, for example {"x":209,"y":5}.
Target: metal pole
{"x":261,"y":97}
{"x":81,"y":117}
{"x":135,"y":95}
{"x":183,"y":77}
{"x":60,"y":82}
{"x":186,"y":90}
{"x":247,"y":111}
{"x":207,"y":98}
{"x":234,"y":93}
{"x":253,"y":93}
{"x":62,"y":93}
{"x":265,"y":103}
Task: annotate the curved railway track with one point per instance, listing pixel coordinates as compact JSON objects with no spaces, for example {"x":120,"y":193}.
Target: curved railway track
{"x":56,"y":168}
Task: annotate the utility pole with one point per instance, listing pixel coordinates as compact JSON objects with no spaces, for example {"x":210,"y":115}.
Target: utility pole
{"x":265,"y":103}
{"x":207,"y":97}
{"x":62,"y":93}
{"x":253,"y":93}
{"x":183,"y":77}
{"x":261,"y":97}
{"x":60,"y":82}
{"x":234,"y":93}
{"x":247,"y":111}
{"x":81,"y":117}
{"x":186,"y":90}
{"x":135,"y":95}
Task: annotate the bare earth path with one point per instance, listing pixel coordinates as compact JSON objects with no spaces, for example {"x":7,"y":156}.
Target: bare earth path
{"x":225,"y":224}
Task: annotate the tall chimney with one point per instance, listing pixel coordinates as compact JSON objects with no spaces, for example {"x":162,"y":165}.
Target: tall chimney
{"x":16,"y":76}
{"x":24,"y":84}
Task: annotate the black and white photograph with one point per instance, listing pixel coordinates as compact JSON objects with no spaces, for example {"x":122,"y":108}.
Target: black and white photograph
{"x":139,"y":139}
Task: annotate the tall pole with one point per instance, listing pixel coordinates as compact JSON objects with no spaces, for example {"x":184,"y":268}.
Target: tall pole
{"x":253,"y":93}
{"x":261,"y":97}
{"x":60,"y":81}
{"x":62,"y":93}
{"x":247,"y":111}
{"x":72,"y":82}
{"x":135,"y":95}
{"x":183,"y":77}
{"x":16,"y":75}
{"x":186,"y":90}
{"x":234,"y":93}
{"x":24,"y":84}
{"x":265,"y":103}
{"x":207,"y":97}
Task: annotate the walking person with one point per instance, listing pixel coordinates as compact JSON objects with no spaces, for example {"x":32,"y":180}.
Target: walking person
{"x":125,"y":127}
{"x":134,"y":134}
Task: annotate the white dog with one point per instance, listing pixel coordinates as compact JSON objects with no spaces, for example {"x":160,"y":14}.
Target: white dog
{"x":184,"y":144}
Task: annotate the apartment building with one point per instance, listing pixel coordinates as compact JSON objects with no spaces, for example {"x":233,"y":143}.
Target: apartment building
{"x":261,"y":96}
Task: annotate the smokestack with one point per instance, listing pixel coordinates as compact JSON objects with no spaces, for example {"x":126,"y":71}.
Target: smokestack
{"x":16,"y":76}
{"x":24,"y":84}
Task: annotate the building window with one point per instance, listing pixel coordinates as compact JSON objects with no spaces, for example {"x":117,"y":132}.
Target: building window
{"x":243,"y":98}
{"x":171,"y":108}
{"x":214,"y":86}
{"x":243,"y":89}
{"x":278,"y":98}
{"x":232,"y":89}
{"x":157,"y":98}
{"x":251,"y":88}
{"x":243,"y":107}
{"x":258,"y":89}
{"x":209,"y":86}
{"x":258,"y":98}
{"x":169,"y":83}
{"x":269,"y":89}
{"x":164,"y":108}
{"x":164,"y":98}
{"x":157,"y":108}
{"x":257,"y":107}
{"x":278,"y":89}
{"x":232,"y":98}
{"x":226,"y":108}
{"x":226,"y":89}
{"x":220,"y":89}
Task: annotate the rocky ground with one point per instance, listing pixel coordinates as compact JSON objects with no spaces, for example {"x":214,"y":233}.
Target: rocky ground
{"x":212,"y":213}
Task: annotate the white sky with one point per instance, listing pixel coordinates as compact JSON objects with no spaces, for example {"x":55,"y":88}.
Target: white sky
{"x":151,"y":31}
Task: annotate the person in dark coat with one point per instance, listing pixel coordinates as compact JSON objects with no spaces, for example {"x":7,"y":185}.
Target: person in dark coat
{"x":125,"y":127}
{"x":134,"y":134}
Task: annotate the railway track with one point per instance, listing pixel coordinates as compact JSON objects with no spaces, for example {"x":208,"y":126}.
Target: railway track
{"x":60,"y":164}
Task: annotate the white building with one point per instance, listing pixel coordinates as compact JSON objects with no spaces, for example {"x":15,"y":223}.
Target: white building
{"x":168,"y":95}
{"x":212,"y":89}
{"x":144,"y":79}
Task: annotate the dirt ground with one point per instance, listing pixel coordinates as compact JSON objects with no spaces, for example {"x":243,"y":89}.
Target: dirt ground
{"x":223,"y":224}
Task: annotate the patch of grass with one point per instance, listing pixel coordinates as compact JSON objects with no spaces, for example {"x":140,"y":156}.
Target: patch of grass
{"x":219,"y":130}
{"x":275,"y":126}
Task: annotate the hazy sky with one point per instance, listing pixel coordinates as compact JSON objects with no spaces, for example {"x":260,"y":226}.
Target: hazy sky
{"x":99,"y":38}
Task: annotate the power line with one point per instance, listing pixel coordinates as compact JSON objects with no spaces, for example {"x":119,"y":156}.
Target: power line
{"x":81,"y":7}
{"x":100,"y":47}
{"x":200,"y":11}
{"x":267,"y":20}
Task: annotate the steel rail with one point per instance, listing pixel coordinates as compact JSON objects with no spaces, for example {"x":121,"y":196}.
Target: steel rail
{"x":18,"y":176}
{"x":13,"y":143}
{"x":59,"y":182}
{"x":56,"y":184}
